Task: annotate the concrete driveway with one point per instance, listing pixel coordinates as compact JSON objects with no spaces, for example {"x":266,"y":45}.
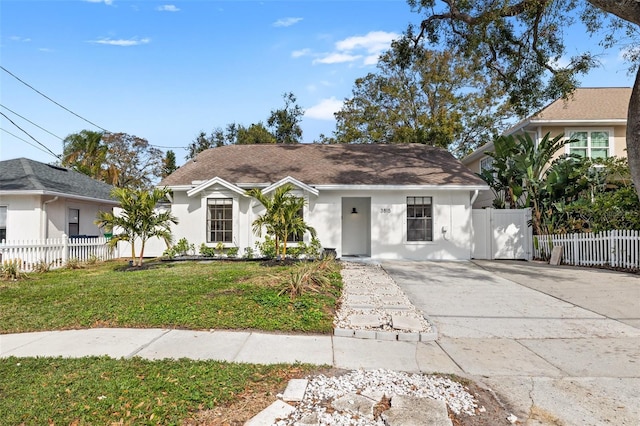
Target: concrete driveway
{"x":560,"y":345}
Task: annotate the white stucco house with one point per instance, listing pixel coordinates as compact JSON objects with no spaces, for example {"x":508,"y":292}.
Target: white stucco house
{"x":381,"y":201}
{"x":39,"y":201}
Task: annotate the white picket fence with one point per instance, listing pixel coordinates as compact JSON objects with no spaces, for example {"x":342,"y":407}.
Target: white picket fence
{"x":617,"y":248}
{"x":54,"y":252}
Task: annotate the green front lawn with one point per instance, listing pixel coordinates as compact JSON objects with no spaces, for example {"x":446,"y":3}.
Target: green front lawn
{"x":190,"y":295}
{"x":103,"y":391}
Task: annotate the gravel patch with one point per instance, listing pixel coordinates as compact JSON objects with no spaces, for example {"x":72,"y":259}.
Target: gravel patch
{"x":319,"y":402}
{"x":369,"y":291}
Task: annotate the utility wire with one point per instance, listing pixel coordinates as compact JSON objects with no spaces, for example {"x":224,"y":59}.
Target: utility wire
{"x":26,"y":119}
{"x":24,"y":140}
{"x":42,"y":94}
{"x":27,"y":133}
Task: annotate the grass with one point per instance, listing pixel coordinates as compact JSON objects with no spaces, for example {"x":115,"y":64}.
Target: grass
{"x":188,"y":295}
{"x":98,"y":390}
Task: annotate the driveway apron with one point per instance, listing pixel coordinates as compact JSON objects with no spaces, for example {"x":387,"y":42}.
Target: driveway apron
{"x":561,"y":345}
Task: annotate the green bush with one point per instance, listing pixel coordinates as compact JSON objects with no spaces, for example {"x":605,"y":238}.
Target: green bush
{"x":181,"y":248}
{"x":207,"y":251}
{"x":267,"y":248}
{"x":232,"y":251}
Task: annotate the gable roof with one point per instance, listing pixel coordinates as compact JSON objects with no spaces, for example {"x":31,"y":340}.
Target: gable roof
{"x":22,"y":175}
{"x":586,"y":106}
{"x":589,"y":103}
{"x":327,"y":165}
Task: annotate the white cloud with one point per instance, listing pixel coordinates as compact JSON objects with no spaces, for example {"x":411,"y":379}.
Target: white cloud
{"x":324,"y":109}
{"x":373,"y":42}
{"x":367,"y":48}
{"x":122,"y":42}
{"x":107,"y":2}
{"x":301,"y":52}
{"x":20,"y":39}
{"x":337,"y":58}
{"x":46,"y":50}
{"x":286,"y":22}
{"x":168,"y":8}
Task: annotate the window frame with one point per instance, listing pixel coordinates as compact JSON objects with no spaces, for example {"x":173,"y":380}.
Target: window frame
{"x":69,"y":223}
{"x":428,"y":220}
{"x":589,"y":145}
{"x":3,"y":227}
{"x":228,"y":203}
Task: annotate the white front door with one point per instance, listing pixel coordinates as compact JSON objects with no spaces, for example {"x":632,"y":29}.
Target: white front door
{"x":356,"y":226}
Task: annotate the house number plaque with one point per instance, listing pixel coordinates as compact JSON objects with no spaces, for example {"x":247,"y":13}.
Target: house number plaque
{"x":385,"y":210}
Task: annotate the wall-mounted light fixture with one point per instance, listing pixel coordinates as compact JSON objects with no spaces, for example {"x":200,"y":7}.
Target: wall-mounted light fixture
{"x":354,"y":211}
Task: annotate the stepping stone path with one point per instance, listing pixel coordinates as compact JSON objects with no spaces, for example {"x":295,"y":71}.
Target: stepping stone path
{"x":374,"y":307}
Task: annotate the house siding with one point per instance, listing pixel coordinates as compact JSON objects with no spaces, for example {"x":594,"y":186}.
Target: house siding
{"x":29,"y":218}
{"x":386,"y":227}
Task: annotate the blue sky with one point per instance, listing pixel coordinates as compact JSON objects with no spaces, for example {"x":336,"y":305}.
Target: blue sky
{"x":165,"y":71}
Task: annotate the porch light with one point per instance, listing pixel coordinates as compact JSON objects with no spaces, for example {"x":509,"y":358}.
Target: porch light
{"x":354,"y":211}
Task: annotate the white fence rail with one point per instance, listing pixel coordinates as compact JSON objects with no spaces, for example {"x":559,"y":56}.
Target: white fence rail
{"x":617,"y":248}
{"x":54,"y":252}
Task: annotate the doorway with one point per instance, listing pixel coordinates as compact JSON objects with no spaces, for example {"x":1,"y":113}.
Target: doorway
{"x":356,"y":226}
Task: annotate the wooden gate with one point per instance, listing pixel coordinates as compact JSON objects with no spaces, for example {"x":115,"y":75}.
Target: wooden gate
{"x":502,"y":234}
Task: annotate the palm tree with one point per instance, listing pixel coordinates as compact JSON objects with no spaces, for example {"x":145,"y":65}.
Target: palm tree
{"x":281,"y":217}
{"x":139,"y":218}
{"x":85,"y":152}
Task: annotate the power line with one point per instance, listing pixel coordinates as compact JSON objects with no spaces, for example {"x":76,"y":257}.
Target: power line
{"x":27,"y":133}
{"x":24,"y":118}
{"x":42,"y":94}
{"x":24,"y":140}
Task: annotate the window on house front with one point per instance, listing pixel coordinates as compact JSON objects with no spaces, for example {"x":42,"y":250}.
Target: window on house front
{"x":590,"y":143}
{"x":3,"y":223}
{"x":486,"y":164}
{"x":74,"y":222}
{"x":295,"y":237}
{"x":219,"y":220}
{"x":419,"y":219}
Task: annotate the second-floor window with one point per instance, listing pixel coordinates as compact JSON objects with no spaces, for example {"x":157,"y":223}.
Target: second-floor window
{"x":590,"y":143}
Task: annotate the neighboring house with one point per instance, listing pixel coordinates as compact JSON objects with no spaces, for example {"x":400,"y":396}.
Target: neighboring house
{"x":595,"y":116}
{"x":381,"y":201}
{"x":38,"y":201}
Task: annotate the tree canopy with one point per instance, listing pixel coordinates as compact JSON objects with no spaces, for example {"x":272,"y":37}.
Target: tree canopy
{"x":285,"y":122}
{"x":118,"y":159}
{"x":423,"y":96}
{"x":521,"y":44}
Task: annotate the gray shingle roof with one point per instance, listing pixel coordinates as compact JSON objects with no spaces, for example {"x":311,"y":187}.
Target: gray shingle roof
{"x":315,"y":164}
{"x":22,"y":175}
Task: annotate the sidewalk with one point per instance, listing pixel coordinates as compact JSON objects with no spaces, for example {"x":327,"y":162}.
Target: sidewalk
{"x":240,"y":346}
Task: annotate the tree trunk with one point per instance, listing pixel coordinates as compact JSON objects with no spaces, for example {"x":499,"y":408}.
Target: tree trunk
{"x":629,"y":10}
{"x":633,"y":134}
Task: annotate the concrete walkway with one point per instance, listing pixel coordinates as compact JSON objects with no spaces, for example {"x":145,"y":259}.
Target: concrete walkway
{"x":562,"y":346}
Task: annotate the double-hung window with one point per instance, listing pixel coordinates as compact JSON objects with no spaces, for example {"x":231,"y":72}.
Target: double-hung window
{"x":74,"y":222}
{"x":486,"y":164}
{"x":219,"y":220}
{"x":3,"y":223}
{"x":419,"y":219}
{"x":294,"y":237}
{"x":590,"y":143}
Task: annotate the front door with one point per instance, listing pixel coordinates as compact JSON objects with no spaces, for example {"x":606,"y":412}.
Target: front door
{"x":356,"y":226}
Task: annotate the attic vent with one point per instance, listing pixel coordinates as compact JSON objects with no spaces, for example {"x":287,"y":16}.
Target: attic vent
{"x":58,"y":167}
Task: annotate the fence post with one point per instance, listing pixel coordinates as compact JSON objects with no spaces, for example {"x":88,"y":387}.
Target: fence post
{"x":612,"y":249}
{"x":65,"y":249}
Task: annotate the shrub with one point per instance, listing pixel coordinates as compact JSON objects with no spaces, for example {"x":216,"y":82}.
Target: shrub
{"x":207,"y":251}
{"x":248,"y":253}
{"x":11,"y":269}
{"x":41,"y":266}
{"x":315,"y":277}
{"x":267,"y":248}
{"x":73,"y":263}
{"x":181,"y":248}
{"x":314,"y":249}
{"x":232,"y":251}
